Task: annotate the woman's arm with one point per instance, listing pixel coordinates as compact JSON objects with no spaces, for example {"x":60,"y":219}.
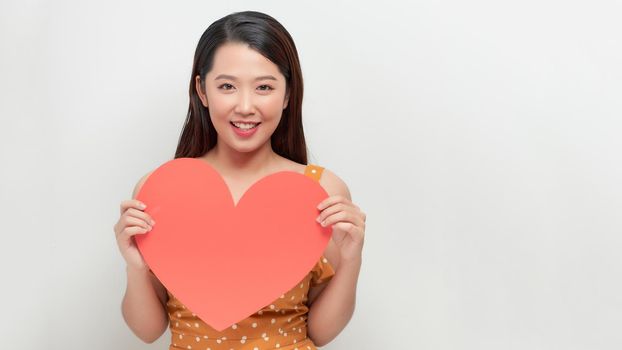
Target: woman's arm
{"x":142,"y":308}
{"x":144,"y":303}
{"x":333,"y":308}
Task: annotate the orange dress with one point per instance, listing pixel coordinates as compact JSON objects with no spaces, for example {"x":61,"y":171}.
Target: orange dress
{"x":280,"y":325}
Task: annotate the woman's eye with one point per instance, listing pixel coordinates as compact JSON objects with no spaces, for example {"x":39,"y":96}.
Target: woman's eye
{"x":227,"y":86}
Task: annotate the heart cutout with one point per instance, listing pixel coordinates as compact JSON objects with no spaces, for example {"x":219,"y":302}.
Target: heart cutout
{"x":226,"y":262}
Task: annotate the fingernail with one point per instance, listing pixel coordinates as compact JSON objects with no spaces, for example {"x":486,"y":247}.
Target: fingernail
{"x":152,"y":222}
{"x":323,"y":223}
{"x":142,"y":205}
{"x":317,"y":219}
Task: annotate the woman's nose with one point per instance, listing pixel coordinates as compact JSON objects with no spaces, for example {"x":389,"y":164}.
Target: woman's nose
{"x":245,"y":103}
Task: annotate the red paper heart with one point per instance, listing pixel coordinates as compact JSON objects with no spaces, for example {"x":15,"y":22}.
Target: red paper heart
{"x":225,"y":262}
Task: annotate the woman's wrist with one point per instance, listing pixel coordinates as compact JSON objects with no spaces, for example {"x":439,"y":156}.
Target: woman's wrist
{"x":350,"y":264}
{"x":137,"y":271}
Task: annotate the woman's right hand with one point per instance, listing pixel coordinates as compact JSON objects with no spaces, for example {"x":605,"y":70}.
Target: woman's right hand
{"x":133,"y":221}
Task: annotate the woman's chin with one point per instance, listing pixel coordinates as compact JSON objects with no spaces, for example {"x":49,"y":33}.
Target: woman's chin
{"x":245,"y":146}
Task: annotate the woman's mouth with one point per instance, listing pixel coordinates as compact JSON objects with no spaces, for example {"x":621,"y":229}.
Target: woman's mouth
{"x":244,"y":129}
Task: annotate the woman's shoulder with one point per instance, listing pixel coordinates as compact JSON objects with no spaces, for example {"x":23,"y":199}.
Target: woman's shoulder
{"x":333,"y":184}
{"x":329,"y":180}
{"x":140,"y":183}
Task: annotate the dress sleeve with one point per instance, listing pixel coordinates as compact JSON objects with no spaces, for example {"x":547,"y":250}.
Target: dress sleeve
{"x":322,"y":272}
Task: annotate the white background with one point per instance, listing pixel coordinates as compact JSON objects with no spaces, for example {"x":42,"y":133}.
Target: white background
{"x":482,"y":139}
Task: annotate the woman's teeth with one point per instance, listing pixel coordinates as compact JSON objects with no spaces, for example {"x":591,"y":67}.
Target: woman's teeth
{"x":244,"y":126}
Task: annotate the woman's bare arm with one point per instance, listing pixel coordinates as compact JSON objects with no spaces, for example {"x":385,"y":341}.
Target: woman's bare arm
{"x":144,"y":302}
{"x":332,"y":305}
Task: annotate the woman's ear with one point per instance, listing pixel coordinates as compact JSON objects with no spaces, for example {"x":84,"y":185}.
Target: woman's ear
{"x":200,"y":92}
{"x":286,"y":99}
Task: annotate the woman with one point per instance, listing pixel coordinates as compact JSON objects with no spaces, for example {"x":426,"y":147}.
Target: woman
{"x":245,"y":120}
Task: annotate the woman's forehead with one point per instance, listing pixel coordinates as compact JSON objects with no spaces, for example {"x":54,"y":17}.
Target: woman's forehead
{"x":240,"y":62}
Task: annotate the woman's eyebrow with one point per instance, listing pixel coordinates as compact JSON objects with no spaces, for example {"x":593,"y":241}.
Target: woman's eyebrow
{"x":231,"y":77}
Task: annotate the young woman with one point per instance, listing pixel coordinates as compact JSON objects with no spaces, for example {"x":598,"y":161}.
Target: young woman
{"x":245,"y":120}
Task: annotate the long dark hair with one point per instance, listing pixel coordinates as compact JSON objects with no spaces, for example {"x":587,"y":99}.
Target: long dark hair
{"x":267,"y":36}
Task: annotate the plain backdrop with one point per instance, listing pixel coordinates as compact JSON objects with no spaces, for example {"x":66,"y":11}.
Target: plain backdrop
{"x":482,"y":139}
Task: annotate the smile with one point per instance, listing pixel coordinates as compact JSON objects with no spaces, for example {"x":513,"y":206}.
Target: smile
{"x":244,"y":129}
{"x":245,"y":126}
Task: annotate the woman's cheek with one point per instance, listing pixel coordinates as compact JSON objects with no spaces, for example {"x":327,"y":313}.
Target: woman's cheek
{"x":274,"y":107}
{"x":220,"y":109}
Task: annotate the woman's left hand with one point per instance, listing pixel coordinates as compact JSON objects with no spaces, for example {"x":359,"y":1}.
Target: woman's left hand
{"x":348,"y":225}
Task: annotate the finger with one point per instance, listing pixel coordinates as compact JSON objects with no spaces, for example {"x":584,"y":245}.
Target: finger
{"x":141,"y":215}
{"x":132,"y":203}
{"x":330,"y":211}
{"x":132,"y":231}
{"x":342,"y":216}
{"x":134,"y":221}
{"x":332,"y":200}
{"x":130,"y":222}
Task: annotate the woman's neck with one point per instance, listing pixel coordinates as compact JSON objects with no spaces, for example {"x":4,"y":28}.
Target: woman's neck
{"x":239,"y":165}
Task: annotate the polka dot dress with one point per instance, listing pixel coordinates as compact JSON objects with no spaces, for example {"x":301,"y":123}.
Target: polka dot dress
{"x":280,"y":325}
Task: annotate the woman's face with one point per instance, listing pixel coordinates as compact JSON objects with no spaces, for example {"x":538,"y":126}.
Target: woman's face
{"x":245,"y":94}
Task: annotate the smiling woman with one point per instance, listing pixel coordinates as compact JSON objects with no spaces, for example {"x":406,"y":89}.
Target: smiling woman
{"x":245,"y":120}
{"x":246,"y":70}
{"x":245,"y":105}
